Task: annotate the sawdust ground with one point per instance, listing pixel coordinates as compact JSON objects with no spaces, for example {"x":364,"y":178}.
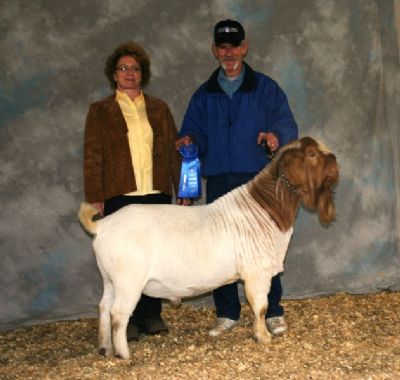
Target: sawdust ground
{"x":334,"y":337}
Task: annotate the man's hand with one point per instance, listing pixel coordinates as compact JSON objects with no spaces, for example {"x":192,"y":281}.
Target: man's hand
{"x":270,"y":139}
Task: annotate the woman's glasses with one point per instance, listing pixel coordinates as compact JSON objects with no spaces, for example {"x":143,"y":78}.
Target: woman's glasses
{"x":126,"y":69}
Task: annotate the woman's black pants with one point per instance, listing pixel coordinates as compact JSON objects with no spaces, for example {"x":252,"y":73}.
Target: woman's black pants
{"x":147,"y":307}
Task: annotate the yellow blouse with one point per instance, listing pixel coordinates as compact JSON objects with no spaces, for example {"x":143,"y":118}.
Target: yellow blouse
{"x":140,"y":136}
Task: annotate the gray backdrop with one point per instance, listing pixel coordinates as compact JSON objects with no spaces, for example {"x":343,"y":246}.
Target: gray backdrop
{"x":336,"y":60}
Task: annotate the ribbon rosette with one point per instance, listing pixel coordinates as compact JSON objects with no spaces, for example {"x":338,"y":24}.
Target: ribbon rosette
{"x":190,"y":182}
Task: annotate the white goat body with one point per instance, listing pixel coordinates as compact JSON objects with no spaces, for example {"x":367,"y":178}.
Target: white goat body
{"x":192,"y":250}
{"x":171,"y":252}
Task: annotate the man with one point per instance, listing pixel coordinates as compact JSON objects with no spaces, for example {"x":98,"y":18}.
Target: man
{"x":232,"y":117}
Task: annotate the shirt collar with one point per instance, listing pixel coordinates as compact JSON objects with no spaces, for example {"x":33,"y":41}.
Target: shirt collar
{"x":249,"y":81}
{"x":222,"y":76}
{"x":119,"y":95}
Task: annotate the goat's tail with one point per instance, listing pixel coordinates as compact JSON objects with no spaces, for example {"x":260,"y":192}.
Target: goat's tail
{"x":86,"y":214}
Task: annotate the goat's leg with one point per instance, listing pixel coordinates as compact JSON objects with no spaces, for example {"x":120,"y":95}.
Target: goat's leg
{"x":105,"y":343}
{"x":125,"y":300}
{"x":257,"y":295}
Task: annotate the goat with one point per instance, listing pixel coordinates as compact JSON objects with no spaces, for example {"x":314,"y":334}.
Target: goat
{"x":170,"y":251}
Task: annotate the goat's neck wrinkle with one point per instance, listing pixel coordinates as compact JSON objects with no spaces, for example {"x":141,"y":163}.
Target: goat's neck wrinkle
{"x":280,"y":203}
{"x":237,"y":214}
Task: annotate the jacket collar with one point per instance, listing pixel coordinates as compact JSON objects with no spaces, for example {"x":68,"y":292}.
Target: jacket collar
{"x":249,"y":81}
{"x":154,"y":115}
{"x":112,"y":100}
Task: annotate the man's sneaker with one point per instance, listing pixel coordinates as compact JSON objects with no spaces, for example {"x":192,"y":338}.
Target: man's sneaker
{"x":276,"y":325}
{"x":223,"y":324}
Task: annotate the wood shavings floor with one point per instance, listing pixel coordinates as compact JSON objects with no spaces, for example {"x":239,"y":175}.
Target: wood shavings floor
{"x":334,"y":337}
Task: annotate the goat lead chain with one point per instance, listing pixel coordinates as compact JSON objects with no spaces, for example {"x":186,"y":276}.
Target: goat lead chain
{"x":288,"y":185}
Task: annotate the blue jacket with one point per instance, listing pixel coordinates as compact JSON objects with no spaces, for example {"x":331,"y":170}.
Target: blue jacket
{"x":225,"y":130}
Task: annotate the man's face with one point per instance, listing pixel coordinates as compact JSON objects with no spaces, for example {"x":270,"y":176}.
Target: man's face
{"x":230,"y":57}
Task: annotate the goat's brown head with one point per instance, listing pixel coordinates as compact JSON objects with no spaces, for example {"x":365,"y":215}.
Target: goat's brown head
{"x":311,"y":171}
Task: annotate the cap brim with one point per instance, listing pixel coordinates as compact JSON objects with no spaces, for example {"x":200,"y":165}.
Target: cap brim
{"x":228,"y":38}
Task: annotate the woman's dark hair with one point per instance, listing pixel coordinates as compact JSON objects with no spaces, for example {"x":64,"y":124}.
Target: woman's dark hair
{"x":135,"y":51}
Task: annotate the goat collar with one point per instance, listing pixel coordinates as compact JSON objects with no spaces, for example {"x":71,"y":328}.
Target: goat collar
{"x":293,"y":189}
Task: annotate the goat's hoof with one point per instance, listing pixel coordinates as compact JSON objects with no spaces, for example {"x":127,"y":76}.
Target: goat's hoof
{"x":104,"y":352}
{"x":120,"y":356}
{"x":263,"y":339}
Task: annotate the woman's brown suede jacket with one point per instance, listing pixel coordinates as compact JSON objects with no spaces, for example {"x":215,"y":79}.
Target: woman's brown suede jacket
{"x":108,"y":169}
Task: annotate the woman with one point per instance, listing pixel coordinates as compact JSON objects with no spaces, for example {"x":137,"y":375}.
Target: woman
{"x":130,"y":156}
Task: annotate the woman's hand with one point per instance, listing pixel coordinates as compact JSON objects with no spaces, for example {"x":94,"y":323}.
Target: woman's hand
{"x":184,"y":201}
{"x":185,"y":140}
{"x":99,"y":206}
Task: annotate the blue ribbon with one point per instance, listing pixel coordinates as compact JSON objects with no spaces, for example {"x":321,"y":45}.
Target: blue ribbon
{"x":190,"y":182}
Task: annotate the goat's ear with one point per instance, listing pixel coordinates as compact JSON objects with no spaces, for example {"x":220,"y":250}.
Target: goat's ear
{"x":326,"y":206}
